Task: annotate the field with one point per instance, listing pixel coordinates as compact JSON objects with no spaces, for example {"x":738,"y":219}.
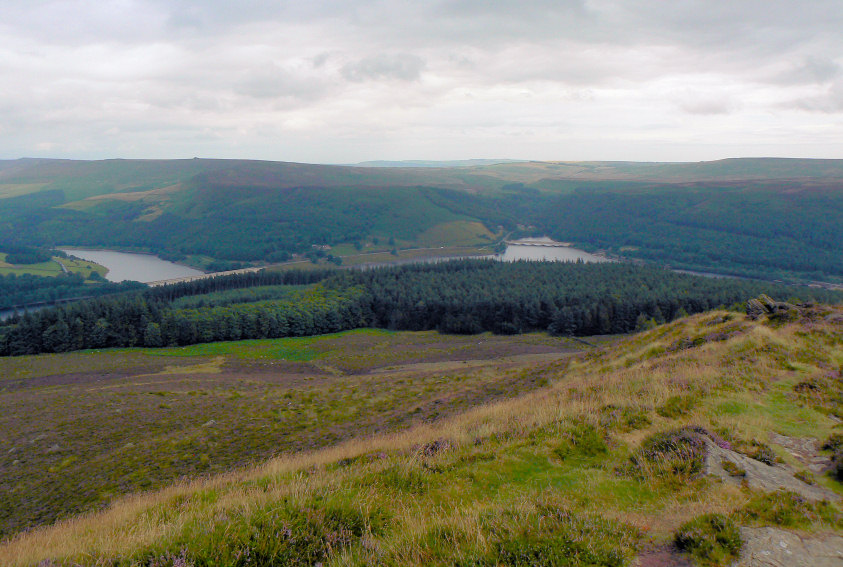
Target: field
{"x":52,"y":268}
{"x":597,"y":459}
{"x":81,"y":429}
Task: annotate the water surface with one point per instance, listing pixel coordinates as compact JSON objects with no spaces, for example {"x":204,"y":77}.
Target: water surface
{"x":124,"y":266}
{"x":554,"y":253}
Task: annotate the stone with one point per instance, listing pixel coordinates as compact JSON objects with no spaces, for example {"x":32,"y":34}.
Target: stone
{"x":774,"y":547}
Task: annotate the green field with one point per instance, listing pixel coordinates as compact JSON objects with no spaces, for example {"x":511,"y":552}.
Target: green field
{"x":52,"y":268}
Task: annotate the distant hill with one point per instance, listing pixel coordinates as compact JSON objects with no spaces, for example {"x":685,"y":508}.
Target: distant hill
{"x":771,"y":218}
{"x":428,"y":163}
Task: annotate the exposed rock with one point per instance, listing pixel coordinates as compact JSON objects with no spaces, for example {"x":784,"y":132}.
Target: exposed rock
{"x":755,"y":309}
{"x":758,"y":475}
{"x":805,"y":451}
{"x":765,"y":305}
{"x":835,"y":318}
{"x":774,"y":547}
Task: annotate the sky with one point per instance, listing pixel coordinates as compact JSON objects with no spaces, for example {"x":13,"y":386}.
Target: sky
{"x":330,"y":81}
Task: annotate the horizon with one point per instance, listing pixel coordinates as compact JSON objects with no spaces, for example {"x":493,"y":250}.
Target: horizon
{"x":411,"y":161}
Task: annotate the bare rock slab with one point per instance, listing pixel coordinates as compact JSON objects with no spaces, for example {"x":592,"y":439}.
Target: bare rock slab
{"x":760,"y":476}
{"x":773,"y":547}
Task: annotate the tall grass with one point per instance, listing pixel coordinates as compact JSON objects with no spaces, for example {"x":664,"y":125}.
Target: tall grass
{"x":513,"y":476}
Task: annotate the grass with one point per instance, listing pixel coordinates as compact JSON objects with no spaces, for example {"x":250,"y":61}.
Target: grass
{"x":52,"y":268}
{"x":789,"y":510}
{"x":213,"y":407}
{"x":17,"y":189}
{"x":509,"y":474}
{"x":456,"y":234}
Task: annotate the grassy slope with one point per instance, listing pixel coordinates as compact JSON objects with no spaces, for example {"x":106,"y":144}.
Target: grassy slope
{"x":517,"y":477}
{"x":52,"y":267}
{"x":81,"y":429}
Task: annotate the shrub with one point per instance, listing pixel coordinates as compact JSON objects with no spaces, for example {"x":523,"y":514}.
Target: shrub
{"x":761,"y":452}
{"x":789,"y":510}
{"x":805,"y":476}
{"x":624,"y":418}
{"x":277,"y":534}
{"x":732,"y":469}
{"x":837,"y":467}
{"x":834,"y":443}
{"x":676,"y":406}
{"x":712,"y":539}
{"x":675,"y":453}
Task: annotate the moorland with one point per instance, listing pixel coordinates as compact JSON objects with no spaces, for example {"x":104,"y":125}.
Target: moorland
{"x":707,"y":431}
{"x":464,"y":413}
{"x":761,"y":218}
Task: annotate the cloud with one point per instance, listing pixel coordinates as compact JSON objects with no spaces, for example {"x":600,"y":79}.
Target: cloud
{"x":709,"y":106}
{"x":828,"y":102}
{"x":400,"y":66}
{"x":274,"y":81}
{"x":811,"y":69}
{"x":332,"y":80}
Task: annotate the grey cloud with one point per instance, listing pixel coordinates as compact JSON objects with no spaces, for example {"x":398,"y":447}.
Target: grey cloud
{"x":274,"y":82}
{"x":830,"y":102}
{"x":196,"y":66}
{"x":810,"y":70}
{"x":710,"y":106}
{"x":401,"y":66}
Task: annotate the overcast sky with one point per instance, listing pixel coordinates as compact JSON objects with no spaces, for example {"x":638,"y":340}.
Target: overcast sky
{"x":345,"y":81}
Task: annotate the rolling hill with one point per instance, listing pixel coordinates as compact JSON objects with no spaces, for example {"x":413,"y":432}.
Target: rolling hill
{"x":762,"y":218}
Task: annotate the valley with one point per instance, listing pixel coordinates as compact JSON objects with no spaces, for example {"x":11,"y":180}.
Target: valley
{"x":414,"y":411}
{"x":773,"y":219}
{"x":421,"y":284}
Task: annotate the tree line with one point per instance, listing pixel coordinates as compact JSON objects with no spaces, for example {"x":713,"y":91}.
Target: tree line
{"x":466,"y":296}
{"x":27,"y":289}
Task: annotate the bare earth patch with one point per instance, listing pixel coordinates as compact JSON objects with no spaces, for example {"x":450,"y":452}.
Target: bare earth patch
{"x":662,"y":556}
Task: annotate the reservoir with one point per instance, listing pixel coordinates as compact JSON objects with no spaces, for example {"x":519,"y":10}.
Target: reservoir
{"x":138,"y":267}
{"x":545,"y":249}
{"x":148,"y":268}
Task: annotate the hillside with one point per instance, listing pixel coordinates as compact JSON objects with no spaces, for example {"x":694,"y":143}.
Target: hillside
{"x":760,"y":218}
{"x":606,"y":461}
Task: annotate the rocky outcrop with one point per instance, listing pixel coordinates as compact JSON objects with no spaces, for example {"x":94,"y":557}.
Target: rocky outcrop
{"x":757,"y":475}
{"x":765,"y":305}
{"x":774,"y":547}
